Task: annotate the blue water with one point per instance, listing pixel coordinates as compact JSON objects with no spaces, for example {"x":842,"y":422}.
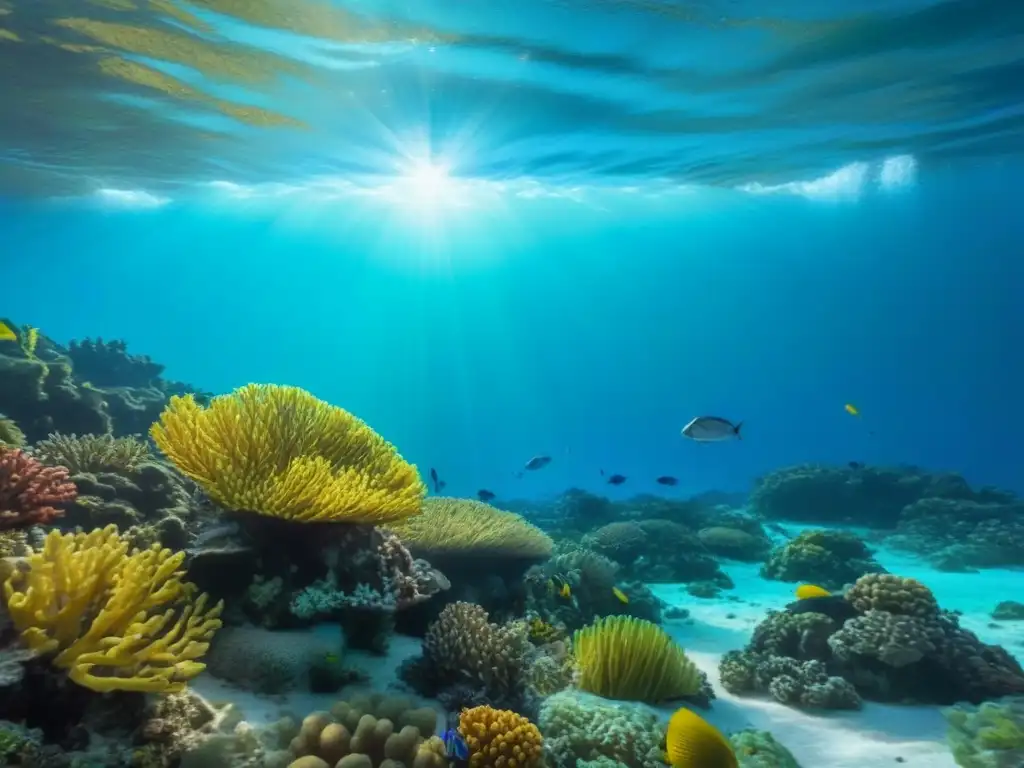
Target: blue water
{"x":563,"y":230}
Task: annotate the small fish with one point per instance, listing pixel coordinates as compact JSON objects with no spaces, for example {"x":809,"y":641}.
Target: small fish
{"x":518,"y":475}
{"x":667,"y":480}
{"x":851,"y":409}
{"x":622,"y":597}
{"x":692,"y":742}
{"x":616,"y":480}
{"x":484,"y":495}
{"x":537,"y":462}
{"x":602,"y":473}
{"x":565,"y":592}
{"x":455,"y":746}
{"x":438,"y":483}
{"x":712,"y":429}
{"x":7,"y":333}
{"x":331,"y":657}
{"x":805,"y":591}
{"x":855,"y":465}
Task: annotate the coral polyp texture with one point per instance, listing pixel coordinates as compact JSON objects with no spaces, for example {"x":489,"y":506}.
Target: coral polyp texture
{"x":116,"y":621}
{"x":498,"y":738}
{"x":620,"y":657}
{"x":92,"y":453}
{"x":278,"y":451}
{"x":29,"y":492}
{"x":449,"y":526}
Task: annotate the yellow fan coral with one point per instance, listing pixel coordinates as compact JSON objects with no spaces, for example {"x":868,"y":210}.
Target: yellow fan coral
{"x":450,"y":526}
{"x":621,"y":657}
{"x":117,"y":621}
{"x":498,"y":738}
{"x":281,"y":452}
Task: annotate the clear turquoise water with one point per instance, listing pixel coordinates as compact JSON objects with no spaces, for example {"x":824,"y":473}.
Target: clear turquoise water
{"x":561,"y":228}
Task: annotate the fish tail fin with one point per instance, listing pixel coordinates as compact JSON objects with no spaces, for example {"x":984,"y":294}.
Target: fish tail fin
{"x":737,"y":429}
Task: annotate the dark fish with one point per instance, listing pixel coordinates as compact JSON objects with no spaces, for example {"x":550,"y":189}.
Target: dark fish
{"x":455,"y":746}
{"x":484,"y":495}
{"x":835,"y":607}
{"x":712,"y":429}
{"x":602,"y":473}
{"x":856,"y":465}
{"x":438,"y":483}
{"x":616,"y":479}
{"x":537,"y":462}
{"x":666,"y":480}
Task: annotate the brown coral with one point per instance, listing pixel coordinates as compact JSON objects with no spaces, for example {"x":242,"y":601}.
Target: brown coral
{"x":29,"y":491}
{"x":498,"y":738}
{"x":894,"y":594}
{"x":462,"y":643}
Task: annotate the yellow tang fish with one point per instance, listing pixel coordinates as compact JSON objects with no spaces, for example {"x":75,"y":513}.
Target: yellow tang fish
{"x":805,"y":591}
{"x":692,"y":742}
{"x":851,"y":409}
{"x":7,"y":333}
{"x":620,"y":595}
{"x":565,"y":591}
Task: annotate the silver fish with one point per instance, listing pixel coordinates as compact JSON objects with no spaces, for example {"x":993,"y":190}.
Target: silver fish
{"x":537,"y":462}
{"x":712,"y":429}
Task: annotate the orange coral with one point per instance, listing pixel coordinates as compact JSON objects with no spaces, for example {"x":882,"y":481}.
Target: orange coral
{"x":498,"y":738}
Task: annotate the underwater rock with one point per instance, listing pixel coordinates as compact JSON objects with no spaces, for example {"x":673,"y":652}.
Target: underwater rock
{"x":735,"y":543}
{"x":1009,"y":610}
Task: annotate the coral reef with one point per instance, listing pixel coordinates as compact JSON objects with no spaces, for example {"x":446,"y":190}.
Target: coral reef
{"x":580,"y":729}
{"x":735,"y":543}
{"x":759,"y":749}
{"x":280,"y":452}
{"x":367,"y":732}
{"x":92,"y":453}
{"x":987,"y":736}
{"x":11,"y":435}
{"x":829,"y":558}
{"x":497,"y":738}
{"x":29,"y":492}
{"x":114,"y":621}
{"x":625,"y":658}
{"x":899,"y":646}
{"x":469,"y":661}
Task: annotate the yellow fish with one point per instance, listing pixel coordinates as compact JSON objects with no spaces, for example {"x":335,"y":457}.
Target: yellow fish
{"x":620,"y":595}
{"x":565,"y":591}
{"x":7,"y":333}
{"x":805,"y":591}
{"x":851,"y":409}
{"x":692,"y":742}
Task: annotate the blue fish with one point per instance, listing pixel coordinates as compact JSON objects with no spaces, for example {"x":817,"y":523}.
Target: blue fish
{"x":455,"y":746}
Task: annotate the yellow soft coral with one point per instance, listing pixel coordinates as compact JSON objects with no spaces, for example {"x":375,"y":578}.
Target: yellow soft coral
{"x":117,"y":621}
{"x":621,"y":657}
{"x":498,"y":738}
{"x":449,"y":526}
{"x":281,"y":452}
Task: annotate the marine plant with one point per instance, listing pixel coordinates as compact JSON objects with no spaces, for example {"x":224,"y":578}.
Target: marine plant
{"x":280,"y":452}
{"x":448,"y":526}
{"x":114,"y":620}
{"x":29,"y":492}
{"x":621,"y":657}
{"x":10,"y":433}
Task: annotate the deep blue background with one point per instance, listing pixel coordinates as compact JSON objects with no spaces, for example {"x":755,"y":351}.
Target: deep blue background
{"x":589,"y":332}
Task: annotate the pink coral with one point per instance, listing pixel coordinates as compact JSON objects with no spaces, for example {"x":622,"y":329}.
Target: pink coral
{"x":29,"y":491}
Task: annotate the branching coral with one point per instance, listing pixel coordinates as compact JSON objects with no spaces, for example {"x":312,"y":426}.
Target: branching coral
{"x":280,"y":452}
{"x":455,"y":526}
{"x":625,"y":658}
{"x":91,"y":453}
{"x":498,"y":738}
{"x":30,"y":492}
{"x":116,"y":621}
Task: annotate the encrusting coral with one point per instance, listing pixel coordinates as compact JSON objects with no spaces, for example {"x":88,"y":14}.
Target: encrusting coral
{"x":498,"y":738}
{"x":278,"y":451}
{"x":116,"y":621}
{"x":620,"y":657}
{"x":29,"y":492}
{"x":829,"y":558}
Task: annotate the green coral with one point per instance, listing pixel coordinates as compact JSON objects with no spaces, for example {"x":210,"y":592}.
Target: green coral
{"x":829,"y":558}
{"x":987,"y":736}
{"x":10,"y":433}
{"x":92,"y":453}
{"x":759,"y":749}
